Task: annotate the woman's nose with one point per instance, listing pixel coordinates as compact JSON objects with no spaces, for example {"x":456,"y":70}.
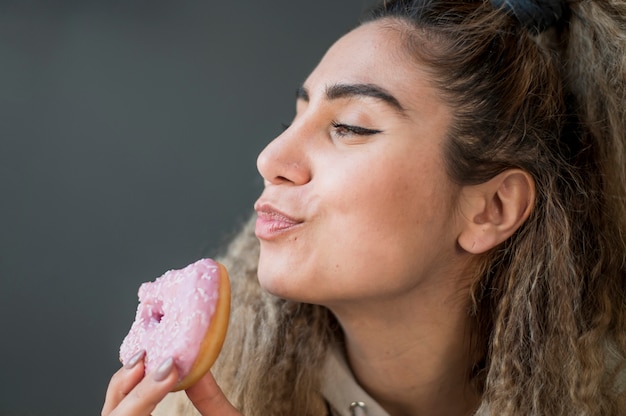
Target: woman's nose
{"x":284,"y":160}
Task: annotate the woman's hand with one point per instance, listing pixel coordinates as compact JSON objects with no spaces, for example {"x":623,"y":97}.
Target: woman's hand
{"x":208,"y":398}
{"x":132,"y":394}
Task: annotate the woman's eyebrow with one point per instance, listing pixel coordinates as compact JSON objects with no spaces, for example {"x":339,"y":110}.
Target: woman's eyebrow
{"x":337,"y":91}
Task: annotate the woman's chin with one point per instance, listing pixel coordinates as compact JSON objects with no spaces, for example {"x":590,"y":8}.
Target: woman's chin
{"x":276,"y":274}
{"x":284,"y":286}
{"x":272,"y":280}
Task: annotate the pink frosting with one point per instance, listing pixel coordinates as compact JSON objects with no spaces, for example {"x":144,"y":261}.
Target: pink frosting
{"x":173,"y":316}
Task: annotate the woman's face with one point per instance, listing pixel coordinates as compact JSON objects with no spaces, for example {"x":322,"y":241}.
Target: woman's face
{"x":357,"y":204}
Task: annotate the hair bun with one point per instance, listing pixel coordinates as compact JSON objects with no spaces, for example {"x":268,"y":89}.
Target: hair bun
{"x":534,"y":15}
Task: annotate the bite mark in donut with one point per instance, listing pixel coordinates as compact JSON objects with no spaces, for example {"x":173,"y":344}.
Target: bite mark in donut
{"x":184,"y":315}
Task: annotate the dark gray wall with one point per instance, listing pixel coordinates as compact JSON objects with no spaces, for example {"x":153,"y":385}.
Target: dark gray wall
{"x":128,"y":137}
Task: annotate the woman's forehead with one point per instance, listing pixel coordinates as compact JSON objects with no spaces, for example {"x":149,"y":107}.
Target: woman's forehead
{"x":374,"y":54}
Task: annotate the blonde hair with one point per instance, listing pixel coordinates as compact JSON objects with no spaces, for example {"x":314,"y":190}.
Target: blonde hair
{"x":549,"y":304}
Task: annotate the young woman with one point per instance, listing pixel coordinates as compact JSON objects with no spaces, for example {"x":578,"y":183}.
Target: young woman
{"x":442,"y":230}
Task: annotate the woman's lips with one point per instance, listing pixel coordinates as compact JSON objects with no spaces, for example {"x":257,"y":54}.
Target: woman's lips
{"x":271,"y":222}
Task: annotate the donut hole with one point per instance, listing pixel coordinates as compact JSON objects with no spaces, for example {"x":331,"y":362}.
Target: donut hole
{"x":152,"y":314}
{"x":156,"y":317}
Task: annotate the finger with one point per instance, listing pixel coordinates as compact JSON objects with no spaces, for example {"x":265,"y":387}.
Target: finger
{"x":123,"y":382}
{"x":145,"y":396}
{"x":209,"y":399}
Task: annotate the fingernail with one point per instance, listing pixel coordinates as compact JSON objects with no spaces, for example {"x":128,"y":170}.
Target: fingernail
{"x":135,"y":359}
{"x":164,"y":370}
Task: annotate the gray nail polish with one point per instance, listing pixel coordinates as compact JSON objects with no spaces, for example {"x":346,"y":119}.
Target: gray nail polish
{"x":164,"y":370}
{"x":135,"y":359}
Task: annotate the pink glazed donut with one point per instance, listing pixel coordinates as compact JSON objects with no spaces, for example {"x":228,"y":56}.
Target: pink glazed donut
{"x":184,"y":315}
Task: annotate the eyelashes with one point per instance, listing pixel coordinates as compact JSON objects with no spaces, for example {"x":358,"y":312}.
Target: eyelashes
{"x":344,"y":130}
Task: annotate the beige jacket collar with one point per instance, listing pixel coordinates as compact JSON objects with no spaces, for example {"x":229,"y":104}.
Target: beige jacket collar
{"x":342,"y":392}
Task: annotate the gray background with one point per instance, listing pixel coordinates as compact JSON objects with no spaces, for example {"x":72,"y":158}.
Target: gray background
{"x":128,"y":137}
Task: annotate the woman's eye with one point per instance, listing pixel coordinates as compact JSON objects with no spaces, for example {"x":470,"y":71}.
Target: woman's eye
{"x":345,"y":130}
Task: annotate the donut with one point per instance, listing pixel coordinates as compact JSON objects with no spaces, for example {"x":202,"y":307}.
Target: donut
{"x":183,"y":314}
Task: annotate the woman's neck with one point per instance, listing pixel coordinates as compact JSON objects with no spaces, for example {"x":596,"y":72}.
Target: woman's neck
{"x":412,"y":354}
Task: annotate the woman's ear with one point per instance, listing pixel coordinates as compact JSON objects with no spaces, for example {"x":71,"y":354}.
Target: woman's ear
{"x":492,"y":211}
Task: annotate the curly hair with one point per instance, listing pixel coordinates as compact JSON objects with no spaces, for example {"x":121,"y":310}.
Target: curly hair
{"x":548,"y":306}
{"x":548,"y":300}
